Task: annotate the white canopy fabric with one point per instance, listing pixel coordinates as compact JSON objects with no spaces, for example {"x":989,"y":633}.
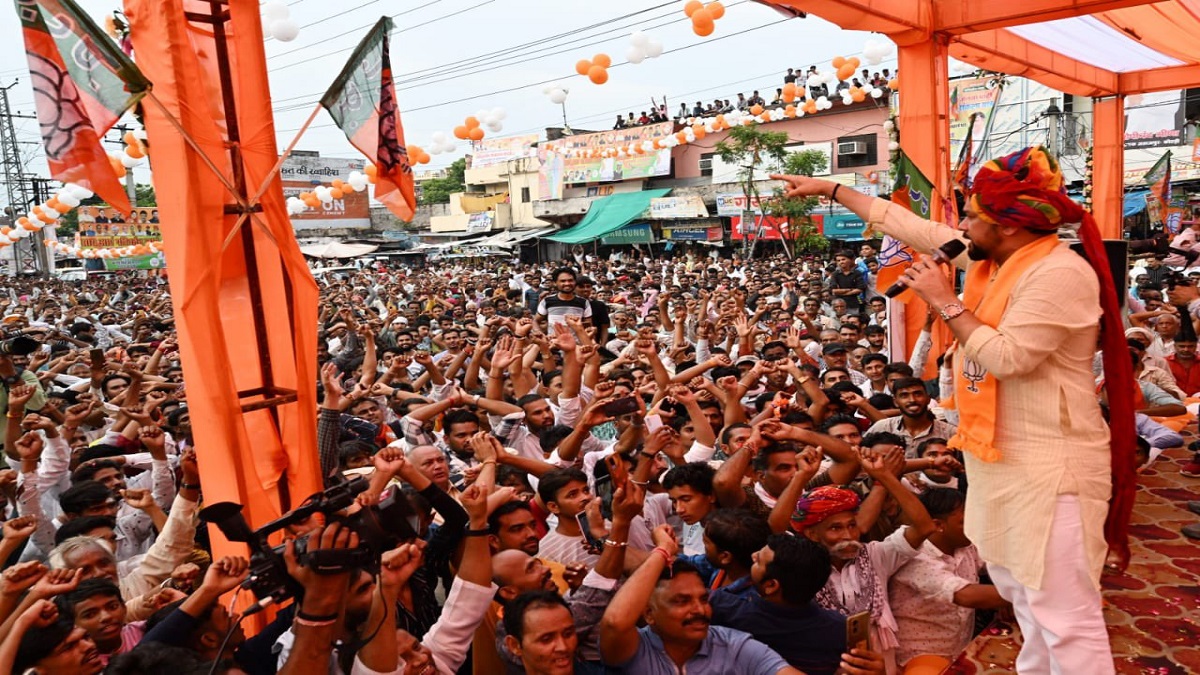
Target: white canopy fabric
{"x":337,"y":250}
{"x":1090,"y":40}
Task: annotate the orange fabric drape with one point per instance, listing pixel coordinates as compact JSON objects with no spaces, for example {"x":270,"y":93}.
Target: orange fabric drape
{"x":244,"y":457}
{"x":1108,"y":164}
{"x":924,"y":122}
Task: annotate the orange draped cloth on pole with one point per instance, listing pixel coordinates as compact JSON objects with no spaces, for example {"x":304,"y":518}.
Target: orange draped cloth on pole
{"x":265,"y":458}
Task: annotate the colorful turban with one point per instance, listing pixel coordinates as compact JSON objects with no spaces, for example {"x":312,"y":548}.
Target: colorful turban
{"x":819,"y":504}
{"x":1025,"y":189}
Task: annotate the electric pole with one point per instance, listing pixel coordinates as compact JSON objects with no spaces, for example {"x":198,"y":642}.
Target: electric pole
{"x":28,"y":253}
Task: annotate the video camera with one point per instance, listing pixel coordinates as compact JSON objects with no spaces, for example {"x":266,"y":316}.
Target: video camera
{"x":380,"y":528}
{"x":1175,"y":278}
{"x":18,"y":346}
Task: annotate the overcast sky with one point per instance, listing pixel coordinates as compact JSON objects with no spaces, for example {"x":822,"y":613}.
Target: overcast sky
{"x":444,"y":73}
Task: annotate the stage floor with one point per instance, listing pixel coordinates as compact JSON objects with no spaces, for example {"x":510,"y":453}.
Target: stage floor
{"x":1153,"y":609}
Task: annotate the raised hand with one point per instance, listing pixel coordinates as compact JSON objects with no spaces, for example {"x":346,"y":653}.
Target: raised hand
{"x":474,"y":500}
{"x":18,"y":529}
{"x":628,"y":502}
{"x":56,"y":582}
{"x":155,"y":441}
{"x":398,"y":565}
{"x":29,"y":447}
{"x":663,"y":537}
{"x":20,"y":577}
{"x":808,"y":460}
{"x":226,"y":574}
{"x":139,"y":499}
{"x":19,"y":395}
{"x":390,"y":461}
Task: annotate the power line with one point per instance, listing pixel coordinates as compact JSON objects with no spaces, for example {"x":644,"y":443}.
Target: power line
{"x":548,"y":81}
{"x":310,"y":45}
{"x":454,"y":72}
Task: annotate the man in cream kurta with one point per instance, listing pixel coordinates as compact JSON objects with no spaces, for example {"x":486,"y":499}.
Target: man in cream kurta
{"x":1037,"y":514}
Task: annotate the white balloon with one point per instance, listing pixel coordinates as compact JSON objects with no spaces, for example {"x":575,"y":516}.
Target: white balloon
{"x":20,"y":232}
{"x":639,"y":39}
{"x":499,"y":113}
{"x":654,"y":49}
{"x":68,"y":199}
{"x":284,"y":30}
{"x":822,"y":100}
{"x":635,"y":55}
{"x":80,"y":191}
{"x":558,"y":96}
{"x":355,"y":176}
{"x":274,"y":10}
{"x":494,"y":126}
{"x":439,"y":137}
{"x":876,"y":92}
{"x":129,"y":162}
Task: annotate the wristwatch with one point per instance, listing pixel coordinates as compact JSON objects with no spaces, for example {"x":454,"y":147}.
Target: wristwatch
{"x":952,"y":311}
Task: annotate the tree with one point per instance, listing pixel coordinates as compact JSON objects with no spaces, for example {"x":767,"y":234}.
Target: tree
{"x":145,"y":195}
{"x":755,"y":152}
{"x":801,"y":234}
{"x":438,"y":190}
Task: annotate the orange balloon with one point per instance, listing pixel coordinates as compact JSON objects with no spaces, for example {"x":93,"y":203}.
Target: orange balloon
{"x":336,"y":193}
{"x":681,"y":137}
{"x":756,"y":109}
{"x":846,"y":72}
{"x":838,"y":61}
{"x":719,"y":122}
{"x":691,"y":7}
{"x":858,"y":95}
{"x":598,"y":75}
{"x":425,"y":158}
{"x":60,"y":207}
{"x":5,"y":230}
{"x":790,"y":111}
{"x":476,"y":134}
{"x":414,"y":152}
{"x":129,"y":138}
{"x":716,"y":9}
{"x":471,"y":122}
{"x":703,"y":28}
{"x":117,"y":167}
{"x":304,"y":196}
{"x":461,"y":131}
{"x":348,"y":188}
{"x":602,"y":60}
{"x":337,"y":183}
{"x":810,"y":107}
{"x":312,"y":202}
{"x":698,"y":129}
{"x":52,"y":203}
{"x":371,"y":170}
{"x":658,"y":144}
{"x":582,"y":66}
{"x":853,"y":60}
{"x":894,"y":84}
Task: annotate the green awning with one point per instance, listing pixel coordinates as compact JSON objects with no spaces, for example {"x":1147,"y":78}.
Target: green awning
{"x":608,"y":214}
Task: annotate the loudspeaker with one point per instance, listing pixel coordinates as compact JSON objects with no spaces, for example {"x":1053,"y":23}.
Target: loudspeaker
{"x":1117,"y":251}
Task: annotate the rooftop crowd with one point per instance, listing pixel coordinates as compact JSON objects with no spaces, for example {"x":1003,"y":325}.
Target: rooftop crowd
{"x":696,"y":464}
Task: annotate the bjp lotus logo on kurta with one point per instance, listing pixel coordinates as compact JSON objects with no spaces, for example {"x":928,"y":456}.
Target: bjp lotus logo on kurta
{"x":974,"y":373}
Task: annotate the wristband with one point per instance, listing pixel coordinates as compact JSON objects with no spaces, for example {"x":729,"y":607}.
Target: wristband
{"x":666,"y":556}
{"x":833,"y":195}
{"x":615,"y":544}
{"x":481,"y":532}
{"x":190,"y":486}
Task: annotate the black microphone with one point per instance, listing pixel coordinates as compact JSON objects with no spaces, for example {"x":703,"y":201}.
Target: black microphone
{"x":941,"y":255}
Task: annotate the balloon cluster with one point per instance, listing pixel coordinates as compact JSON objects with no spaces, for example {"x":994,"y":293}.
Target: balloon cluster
{"x":441,"y":143}
{"x":134,"y":154}
{"x":596,"y":69}
{"x":417,"y":155}
{"x":703,"y":16}
{"x":472,"y":127}
{"x":278,"y":19}
{"x":556,"y":92}
{"x":642,"y":47}
{"x":46,"y":214}
{"x":324,"y":195}
{"x":846,"y":67}
{"x":875,"y":52}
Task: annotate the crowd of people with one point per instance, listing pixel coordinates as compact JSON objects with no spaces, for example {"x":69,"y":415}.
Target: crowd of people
{"x":697,"y":464}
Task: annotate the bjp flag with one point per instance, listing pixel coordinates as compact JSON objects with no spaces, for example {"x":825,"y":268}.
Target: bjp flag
{"x":82,"y":84}
{"x":915,"y":192}
{"x":362,"y":101}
